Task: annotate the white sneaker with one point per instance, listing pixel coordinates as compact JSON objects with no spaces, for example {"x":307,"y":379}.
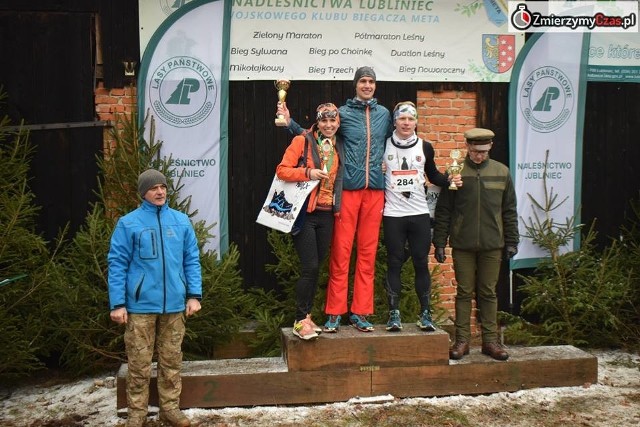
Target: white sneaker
{"x":304,"y":330}
{"x":317,"y":329}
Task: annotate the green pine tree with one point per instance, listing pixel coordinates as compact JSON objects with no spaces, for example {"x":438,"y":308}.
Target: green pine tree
{"x":91,"y":340}
{"x":587,"y":297}
{"x":25,"y":261}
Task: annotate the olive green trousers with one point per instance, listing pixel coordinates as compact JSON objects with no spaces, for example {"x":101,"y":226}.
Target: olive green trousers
{"x":477,"y":272}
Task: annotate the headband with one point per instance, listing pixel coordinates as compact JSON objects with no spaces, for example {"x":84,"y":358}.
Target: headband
{"x":405,"y":109}
{"x":327,"y":111}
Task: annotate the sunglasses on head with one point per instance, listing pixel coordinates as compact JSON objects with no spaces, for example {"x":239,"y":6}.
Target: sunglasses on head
{"x":327,"y":114}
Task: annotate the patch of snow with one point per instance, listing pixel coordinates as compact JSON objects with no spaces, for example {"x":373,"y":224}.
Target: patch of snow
{"x":93,"y":400}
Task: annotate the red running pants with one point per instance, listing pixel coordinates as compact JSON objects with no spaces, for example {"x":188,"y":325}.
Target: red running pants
{"x":360,"y":217}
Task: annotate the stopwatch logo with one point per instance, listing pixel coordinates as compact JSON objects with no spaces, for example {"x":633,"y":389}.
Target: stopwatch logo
{"x":521,"y":18}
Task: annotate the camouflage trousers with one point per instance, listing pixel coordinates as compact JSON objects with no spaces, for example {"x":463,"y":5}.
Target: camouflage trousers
{"x":145,"y":333}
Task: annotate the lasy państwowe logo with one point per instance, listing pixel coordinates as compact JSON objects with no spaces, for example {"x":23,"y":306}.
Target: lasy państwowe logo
{"x":183,"y":91}
{"x":547,"y":99}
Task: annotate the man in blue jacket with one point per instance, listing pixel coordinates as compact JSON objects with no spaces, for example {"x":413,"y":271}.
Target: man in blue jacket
{"x":154,"y":281}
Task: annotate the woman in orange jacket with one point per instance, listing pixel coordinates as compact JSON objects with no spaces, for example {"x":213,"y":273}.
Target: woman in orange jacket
{"x":314,"y":156}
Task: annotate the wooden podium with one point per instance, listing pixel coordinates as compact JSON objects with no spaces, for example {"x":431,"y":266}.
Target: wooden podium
{"x":340,"y":366}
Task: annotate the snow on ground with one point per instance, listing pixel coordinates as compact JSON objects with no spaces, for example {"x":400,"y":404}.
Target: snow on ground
{"x":92,"y":402}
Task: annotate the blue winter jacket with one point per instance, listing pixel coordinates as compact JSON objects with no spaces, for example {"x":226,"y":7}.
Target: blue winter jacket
{"x":364,"y":146}
{"x":364,"y":127}
{"x":154,"y":261}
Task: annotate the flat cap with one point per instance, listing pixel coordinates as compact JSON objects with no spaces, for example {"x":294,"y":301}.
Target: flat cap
{"x":479,"y":136}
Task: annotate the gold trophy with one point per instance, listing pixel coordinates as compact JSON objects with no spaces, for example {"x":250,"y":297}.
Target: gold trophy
{"x":454,"y":168}
{"x":282,"y":85}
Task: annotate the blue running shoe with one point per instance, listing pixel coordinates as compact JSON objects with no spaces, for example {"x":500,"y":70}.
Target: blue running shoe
{"x":332,"y":324}
{"x":360,"y":323}
{"x":281,"y":206}
{"x":279,"y":203}
{"x":394,"y":323}
{"x":425,"y":323}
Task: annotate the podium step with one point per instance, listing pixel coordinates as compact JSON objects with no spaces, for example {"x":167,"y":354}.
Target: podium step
{"x":352,"y":349}
{"x":405,"y":364}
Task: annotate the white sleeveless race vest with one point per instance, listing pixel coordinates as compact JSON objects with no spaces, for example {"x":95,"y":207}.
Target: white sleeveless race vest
{"x":405,"y":174}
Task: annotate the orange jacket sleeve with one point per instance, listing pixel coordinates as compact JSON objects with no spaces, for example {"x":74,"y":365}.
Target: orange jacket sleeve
{"x":288,"y":169}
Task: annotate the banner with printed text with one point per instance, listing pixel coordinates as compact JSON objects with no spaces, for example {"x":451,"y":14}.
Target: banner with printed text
{"x":430,"y":40}
{"x":423,"y":40}
{"x":183,"y":85}
{"x":546,"y":120}
{"x":614,"y":58}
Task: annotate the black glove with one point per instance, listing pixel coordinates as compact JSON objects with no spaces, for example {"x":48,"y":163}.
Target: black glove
{"x":440,"y":256}
{"x":510,"y":252}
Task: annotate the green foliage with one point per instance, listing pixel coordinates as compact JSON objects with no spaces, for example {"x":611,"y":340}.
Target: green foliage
{"x":226,"y":307}
{"x":579,"y":298}
{"x":276,"y":311}
{"x":542,"y":229}
{"x":630,"y":260}
{"x":25,"y":262}
{"x":89,"y":340}
{"x":588,"y":297}
{"x":468,"y":9}
{"x":269,"y":320}
{"x":92,"y":342}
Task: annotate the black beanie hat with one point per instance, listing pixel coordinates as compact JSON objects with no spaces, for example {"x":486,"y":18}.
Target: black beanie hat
{"x":148,"y":179}
{"x":363,"y":72}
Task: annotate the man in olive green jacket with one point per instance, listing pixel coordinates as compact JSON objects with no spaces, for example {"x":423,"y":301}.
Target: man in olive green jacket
{"x":480,"y":222}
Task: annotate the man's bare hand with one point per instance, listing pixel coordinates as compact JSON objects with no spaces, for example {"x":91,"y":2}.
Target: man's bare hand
{"x":119,"y":315}
{"x":193,"y":306}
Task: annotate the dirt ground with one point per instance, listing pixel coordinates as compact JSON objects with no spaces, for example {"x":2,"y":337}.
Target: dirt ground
{"x":613,"y":401}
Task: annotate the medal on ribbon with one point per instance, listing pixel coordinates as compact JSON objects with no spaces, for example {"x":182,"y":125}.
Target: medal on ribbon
{"x":326,"y":151}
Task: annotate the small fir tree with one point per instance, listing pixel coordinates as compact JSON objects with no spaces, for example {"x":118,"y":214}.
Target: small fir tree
{"x":93,"y":342}
{"x":580,"y":296}
{"x":630,"y":260}
{"x":25,"y":262}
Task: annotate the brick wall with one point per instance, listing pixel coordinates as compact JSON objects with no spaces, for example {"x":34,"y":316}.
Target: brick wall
{"x":111,"y":103}
{"x":442,"y":119}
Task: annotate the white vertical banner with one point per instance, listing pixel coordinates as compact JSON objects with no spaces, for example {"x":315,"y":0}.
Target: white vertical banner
{"x":546,"y":120}
{"x":183,"y":84}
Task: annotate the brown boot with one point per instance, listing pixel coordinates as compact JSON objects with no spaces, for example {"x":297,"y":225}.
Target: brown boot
{"x":495,"y":350}
{"x":175,"y":418}
{"x":459,"y":350}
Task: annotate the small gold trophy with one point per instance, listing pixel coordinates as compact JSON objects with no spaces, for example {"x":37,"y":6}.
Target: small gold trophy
{"x":282,"y":85}
{"x":454,"y":168}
